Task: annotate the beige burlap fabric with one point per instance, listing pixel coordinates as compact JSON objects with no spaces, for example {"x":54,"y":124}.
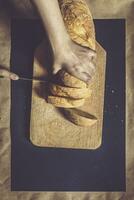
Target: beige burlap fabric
{"x":100,"y":9}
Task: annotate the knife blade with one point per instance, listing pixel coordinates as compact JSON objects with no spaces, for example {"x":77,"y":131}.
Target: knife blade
{"x":27,"y":79}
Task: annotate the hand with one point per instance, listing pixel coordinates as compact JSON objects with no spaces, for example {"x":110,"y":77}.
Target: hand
{"x":5,"y":73}
{"x":77,"y":60}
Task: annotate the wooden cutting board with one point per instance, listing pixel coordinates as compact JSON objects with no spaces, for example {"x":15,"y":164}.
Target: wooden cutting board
{"x":48,"y":127}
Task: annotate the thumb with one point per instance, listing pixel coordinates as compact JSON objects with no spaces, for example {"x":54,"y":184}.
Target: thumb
{"x":56,"y":68}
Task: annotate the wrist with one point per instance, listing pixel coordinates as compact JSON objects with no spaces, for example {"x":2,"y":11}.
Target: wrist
{"x":62,"y":46}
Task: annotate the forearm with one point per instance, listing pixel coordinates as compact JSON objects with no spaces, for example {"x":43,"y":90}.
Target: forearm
{"x":53,"y":22}
{"x":68,"y":55}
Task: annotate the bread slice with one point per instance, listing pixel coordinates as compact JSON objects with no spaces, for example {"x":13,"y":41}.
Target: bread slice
{"x":75,"y":93}
{"x":80,"y":117}
{"x":69,"y":80}
{"x":65,"y":102}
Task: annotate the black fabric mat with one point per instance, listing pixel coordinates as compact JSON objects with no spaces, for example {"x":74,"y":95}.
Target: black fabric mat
{"x":51,"y":169}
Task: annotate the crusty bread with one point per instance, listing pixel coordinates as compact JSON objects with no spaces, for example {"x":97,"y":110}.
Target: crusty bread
{"x":80,"y":117}
{"x":75,"y":93}
{"x":69,"y":80}
{"x":65,"y":102}
{"x":79,"y":22}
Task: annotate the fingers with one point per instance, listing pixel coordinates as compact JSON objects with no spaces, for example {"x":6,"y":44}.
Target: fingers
{"x":84,"y":71}
{"x":78,"y":72}
{"x":90,"y":67}
{"x":82,"y":76}
{"x":8,"y":74}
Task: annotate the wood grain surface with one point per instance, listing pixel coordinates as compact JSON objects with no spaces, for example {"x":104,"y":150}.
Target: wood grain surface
{"x":49,"y":127}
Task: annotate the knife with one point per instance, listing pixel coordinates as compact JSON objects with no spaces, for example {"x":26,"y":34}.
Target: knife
{"x":26,"y":79}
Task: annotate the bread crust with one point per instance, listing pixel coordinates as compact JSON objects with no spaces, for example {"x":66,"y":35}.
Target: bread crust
{"x":75,"y":93}
{"x":79,"y":22}
{"x":70,"y":80}
{"x":80,"y":117}
{"x":65,"y":102}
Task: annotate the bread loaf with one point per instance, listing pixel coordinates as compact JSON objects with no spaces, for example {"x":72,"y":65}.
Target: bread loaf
{"x":79,"y":22}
